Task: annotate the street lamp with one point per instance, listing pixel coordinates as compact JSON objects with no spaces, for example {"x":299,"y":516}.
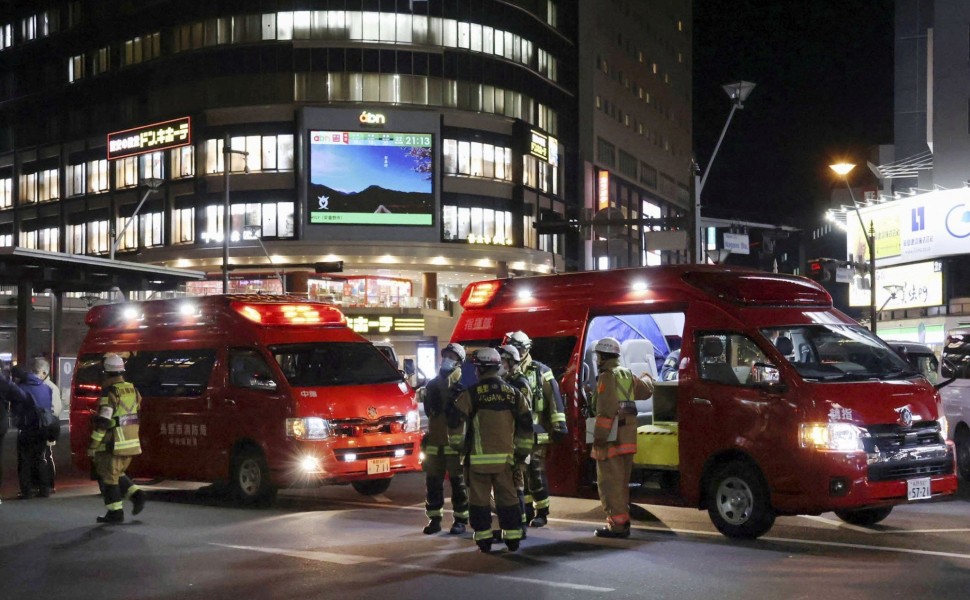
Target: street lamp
{"x":843,"y":170}
{"x":255,"y":231}
{"x":738,"y":92}
{"x":152,"y":184}
{"x":227,"y":153}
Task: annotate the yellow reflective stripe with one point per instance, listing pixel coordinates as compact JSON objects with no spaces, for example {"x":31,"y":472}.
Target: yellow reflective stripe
{"x":115,"y":506}
{"x":97,"y":435}
{"x":461,"y":514}
{"x":483,"y":535}
{"x":125,"y":444}
{"x":490,"y":459}
{"x":523,"y":443}
{"x":512,"y":534}
{"x":558,"y":417}
{"x":547,"y":376}
{"x":544,"y":503}
{"x":542,"y":438}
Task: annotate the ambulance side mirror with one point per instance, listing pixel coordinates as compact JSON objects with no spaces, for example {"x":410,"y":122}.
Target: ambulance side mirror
{"x":262,"y":381}
{"x":766,"y":376}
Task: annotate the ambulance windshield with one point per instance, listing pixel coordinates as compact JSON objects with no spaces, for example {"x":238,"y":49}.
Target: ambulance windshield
{"x":333,"y":363}
{"x":835,"y":352}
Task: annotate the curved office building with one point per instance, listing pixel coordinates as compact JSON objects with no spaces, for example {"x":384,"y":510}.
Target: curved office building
{"x":381,"y":153}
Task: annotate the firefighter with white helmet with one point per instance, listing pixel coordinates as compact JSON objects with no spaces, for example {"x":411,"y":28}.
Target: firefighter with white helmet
{"x":513,"y":374}
{"x":615,"y":434}
{"x":548,"y":423}
{"x":114,"y":440}
{"x":492,"y":429}
{"x":438,"y":397}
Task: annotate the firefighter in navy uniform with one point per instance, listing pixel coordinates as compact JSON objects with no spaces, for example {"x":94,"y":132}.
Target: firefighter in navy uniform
{"x":548,"y":422}
{"x":438,"y":397}
{"x":114,"y":440}
{"x":492,"y":428}
{"x":613,"y":400}
{"x":512,"y":374}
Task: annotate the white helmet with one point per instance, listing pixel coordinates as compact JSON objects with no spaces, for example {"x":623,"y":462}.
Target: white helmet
{"x":113,"y":364}
{"x":458,"y":349}
{"x":511,"y":352}
{"x":607,"y":345}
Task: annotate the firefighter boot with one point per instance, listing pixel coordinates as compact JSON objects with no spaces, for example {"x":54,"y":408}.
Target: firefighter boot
{"x":112,"y":502}
{"x":541,"y":518}
{"x":606,"y":532}
{"x":138,"y":502}
{"x":113,"y":516}
{"x":484,"y":546}
{"x":433,"y":526}
{"x":458,"y":527}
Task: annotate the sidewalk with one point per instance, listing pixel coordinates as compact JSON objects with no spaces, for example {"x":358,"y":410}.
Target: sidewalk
{"x":66,"y":473}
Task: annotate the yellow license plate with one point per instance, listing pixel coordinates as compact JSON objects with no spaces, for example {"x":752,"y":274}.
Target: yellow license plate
{"x":378,"y":465}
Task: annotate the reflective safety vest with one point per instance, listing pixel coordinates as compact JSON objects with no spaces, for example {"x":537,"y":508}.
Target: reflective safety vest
{"x":624,"y":386}
{"x":494,"y":426}
{"x":119,"y":405}
{"x":546,"y":412}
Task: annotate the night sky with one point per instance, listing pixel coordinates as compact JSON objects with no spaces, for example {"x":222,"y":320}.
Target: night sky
{"x":824,"y":75}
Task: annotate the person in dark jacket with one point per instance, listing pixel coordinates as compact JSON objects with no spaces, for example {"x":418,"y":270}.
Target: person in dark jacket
{"x":4,"y":418}
{"x":27,"y":395}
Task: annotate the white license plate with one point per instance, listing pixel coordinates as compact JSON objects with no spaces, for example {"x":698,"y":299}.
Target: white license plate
{"x":383,"y":465}
{"x":918,"y":489}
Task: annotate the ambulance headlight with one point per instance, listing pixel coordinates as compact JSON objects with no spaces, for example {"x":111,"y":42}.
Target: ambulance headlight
{"x":308,"y":428}
{"x":412,"y":422}
{"x":832,"y":437}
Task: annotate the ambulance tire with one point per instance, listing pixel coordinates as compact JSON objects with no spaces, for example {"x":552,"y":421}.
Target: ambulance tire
{"x":962,"y":442}
{"x":738,"y":501}
{"x":372,"y":487}
{"x":864,"y":517}
{"x":250,"y":480}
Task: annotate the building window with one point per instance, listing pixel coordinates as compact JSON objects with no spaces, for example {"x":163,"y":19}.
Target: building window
{"x":265,"y":153}
{"x":75,"y":238}
{"x":151,"y":229}
{"x":40,"y":187}
{"x":628,"y":165}
{"x":97,"y":177}
{"x":6,"y":36}
{"x":100,"y":61}
{"x":6,"y":193}
{"x":605,"y":152}
{"x":6,"y":240}
{"x":475,"y":159}
{"x":477,"y":225}
{"x":126,"y":172}
{"x":141,"y":49}
{"x":150,"y":166}
{"x":183,"y":226}
{"x":75,"y":68}
{"x":97,"y":237}
{"x":183,"y":162}
{"x":212,"y":227}
{"x":129,"y":239}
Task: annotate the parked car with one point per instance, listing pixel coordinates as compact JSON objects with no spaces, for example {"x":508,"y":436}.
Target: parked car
{"x":955,"y":365}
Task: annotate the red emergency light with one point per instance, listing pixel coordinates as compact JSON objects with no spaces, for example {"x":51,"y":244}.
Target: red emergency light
{"x":480,"y":294}
{"x":290,"y":314}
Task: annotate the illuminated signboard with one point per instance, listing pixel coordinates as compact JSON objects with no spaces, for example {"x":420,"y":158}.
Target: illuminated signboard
{"x":539,"y":147}
{"x":372,"y":119}
{"x":604,"y":189}
{"x":150,"y":138}
{"x":370,"y":178}
{"x":904,"y":286}
{"x":365,"y":324}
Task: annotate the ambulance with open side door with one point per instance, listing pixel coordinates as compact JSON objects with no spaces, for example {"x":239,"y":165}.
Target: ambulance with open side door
{"x":260,"y":391}
{"x":779,"y":404}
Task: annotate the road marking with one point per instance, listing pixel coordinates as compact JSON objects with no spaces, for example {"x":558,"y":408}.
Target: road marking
{"x":839,"y":524}
{"x":895,"y":531}
{"x":702,"y":533}
{"x":350,"y":559}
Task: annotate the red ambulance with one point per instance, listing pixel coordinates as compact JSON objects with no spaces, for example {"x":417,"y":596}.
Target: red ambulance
{"x":261,"y":392}
{"x":772,"y":402}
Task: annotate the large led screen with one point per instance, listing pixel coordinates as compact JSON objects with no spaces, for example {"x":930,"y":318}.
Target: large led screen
{"x":370,"y":178}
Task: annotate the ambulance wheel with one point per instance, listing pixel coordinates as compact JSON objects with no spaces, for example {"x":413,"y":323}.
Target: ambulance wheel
{"x":250,"y":478}
{"x":372,"y":487}
{"x":962,"y":442}
{"x":864,"y":516}
{"x":738,"y":501}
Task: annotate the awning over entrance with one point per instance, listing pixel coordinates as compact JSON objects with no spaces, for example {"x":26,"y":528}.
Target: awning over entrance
{"x":60,"y":272}
{"x":40,"y":270}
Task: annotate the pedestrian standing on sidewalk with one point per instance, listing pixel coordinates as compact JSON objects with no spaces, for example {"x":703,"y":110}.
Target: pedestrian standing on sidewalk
{"x":42,"y":369}
{"x":28,"y":397}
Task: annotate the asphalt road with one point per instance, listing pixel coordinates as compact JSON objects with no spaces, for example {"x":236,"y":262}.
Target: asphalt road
{"x":331,"y":542}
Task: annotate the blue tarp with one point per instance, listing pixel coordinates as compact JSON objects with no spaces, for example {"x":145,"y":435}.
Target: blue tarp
{"x":631,"y":327}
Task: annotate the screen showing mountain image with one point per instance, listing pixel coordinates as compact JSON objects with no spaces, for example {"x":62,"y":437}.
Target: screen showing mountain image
{"x":371,"y":178}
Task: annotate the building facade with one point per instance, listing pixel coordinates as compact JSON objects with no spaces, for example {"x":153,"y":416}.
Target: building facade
{"x":381,"y":154}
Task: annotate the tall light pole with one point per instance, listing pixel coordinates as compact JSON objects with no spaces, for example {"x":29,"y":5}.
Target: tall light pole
{"x":227,"y":153}
{"x":255,"y":231}
{"x":738,"y":92}
{"x":152,"y":184}
{"x":843,"y":170}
